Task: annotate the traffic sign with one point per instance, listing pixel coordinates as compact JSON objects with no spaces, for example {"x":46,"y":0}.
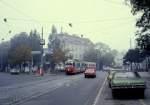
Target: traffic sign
{"x":42,"y":42}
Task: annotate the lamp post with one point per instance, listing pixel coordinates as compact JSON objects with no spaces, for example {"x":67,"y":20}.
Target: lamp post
{"x":42,"y":42}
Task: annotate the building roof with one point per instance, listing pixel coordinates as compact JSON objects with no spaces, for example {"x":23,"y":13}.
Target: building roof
{"x":64,"y":37}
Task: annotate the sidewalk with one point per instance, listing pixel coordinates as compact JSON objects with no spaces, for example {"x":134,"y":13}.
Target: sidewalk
{"x":145,"y":74}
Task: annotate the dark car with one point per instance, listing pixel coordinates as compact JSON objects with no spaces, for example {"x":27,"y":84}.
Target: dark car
{"x":127,"y":82}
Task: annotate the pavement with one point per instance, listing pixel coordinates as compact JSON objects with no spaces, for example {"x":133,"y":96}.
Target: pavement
{"x":62,"y":89}
{"x":7,"y":79}
{"x":77,"y":91}
{"x":53,"y":90}
{"x":145,"y":74}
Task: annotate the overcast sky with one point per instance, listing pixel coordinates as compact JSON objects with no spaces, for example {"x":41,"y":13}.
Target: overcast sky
{"x":108,"y":21}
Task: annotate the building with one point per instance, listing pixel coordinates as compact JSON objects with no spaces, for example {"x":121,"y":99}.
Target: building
{"x":76,"y":45}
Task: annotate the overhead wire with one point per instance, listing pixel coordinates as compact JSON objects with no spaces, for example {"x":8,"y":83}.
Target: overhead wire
{"x":45,"y":21}
{"x":18,"y":10}
{"x":30,"y":19}
{"x":103,"y":30}
{"x":113,"y":26}
{"x":78,"y":21}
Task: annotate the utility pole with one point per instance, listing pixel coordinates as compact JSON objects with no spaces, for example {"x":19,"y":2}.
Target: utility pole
{"x":130,"y":43}
{"x":42,"y":32}
{"x":42,"y":42}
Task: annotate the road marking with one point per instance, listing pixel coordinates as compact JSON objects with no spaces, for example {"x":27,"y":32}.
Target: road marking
{"x":99,"y":93}
{"x":142,"y":102}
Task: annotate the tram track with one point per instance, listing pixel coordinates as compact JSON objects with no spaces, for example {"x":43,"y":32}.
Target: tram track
{"x":27,"y":92}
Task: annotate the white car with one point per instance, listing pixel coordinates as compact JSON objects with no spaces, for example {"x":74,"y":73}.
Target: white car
{"x":60,"y":67}
{"x":27,"y":70}
{"x":14,"y":71}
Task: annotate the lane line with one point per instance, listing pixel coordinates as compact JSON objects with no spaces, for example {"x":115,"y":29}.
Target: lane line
{"x":99,"y":92}
{"x":142,"y":102}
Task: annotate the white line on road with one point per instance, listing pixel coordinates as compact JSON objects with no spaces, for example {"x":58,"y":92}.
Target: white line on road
{"x":99,"y":93}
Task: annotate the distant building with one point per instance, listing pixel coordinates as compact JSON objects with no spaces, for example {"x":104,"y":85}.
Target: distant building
{"x":76,"y":45}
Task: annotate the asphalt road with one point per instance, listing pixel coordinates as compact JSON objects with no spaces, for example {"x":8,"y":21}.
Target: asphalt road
{"x":52,"y":90}
{"x":78,"y":91}
{"x":62,"y":89}
{"x":7,"y":79}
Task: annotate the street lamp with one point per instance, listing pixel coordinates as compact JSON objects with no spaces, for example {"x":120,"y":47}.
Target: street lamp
{"x":42,"y":42}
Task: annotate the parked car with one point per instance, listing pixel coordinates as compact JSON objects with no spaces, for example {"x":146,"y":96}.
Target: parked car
{"x":127,"y":82}
{"x":14,"y":71}
{"x":27,"y":70}
{"x":60,"y":67}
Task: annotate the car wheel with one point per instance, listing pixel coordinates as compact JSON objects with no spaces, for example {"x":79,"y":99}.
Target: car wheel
{"x":94,"y":76}
{"x":85,"y":76}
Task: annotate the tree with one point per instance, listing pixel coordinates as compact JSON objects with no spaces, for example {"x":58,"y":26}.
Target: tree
{"x":143,"y":23}
{"x":106,"y":55}
{"x":133,"y":56}
{"x":53,"y":41}
{"x":59,"y":54}
{"x":21,"y":38}
{"x":103,"y":48}
{"x":20,"y":49}
{"x":101,"y":54}
{"x":141,"y":6}
{"x":109,"y":59}
{"x":20,"y":54}
{"x":54,"y":30}
{"x":91,"y":55}
{"x":34,"y":41}
{"x":4,"y":54}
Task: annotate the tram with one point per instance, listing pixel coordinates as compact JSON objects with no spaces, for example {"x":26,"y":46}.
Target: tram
{"x":74,"y":66}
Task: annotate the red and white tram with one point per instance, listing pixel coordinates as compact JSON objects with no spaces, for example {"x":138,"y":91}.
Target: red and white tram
{"x":74,"y":66}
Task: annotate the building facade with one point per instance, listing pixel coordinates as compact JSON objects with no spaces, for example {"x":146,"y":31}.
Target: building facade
{"x":76,"y":45}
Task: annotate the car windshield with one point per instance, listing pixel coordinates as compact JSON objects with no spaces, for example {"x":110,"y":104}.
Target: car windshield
{"x":125,"y":75}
